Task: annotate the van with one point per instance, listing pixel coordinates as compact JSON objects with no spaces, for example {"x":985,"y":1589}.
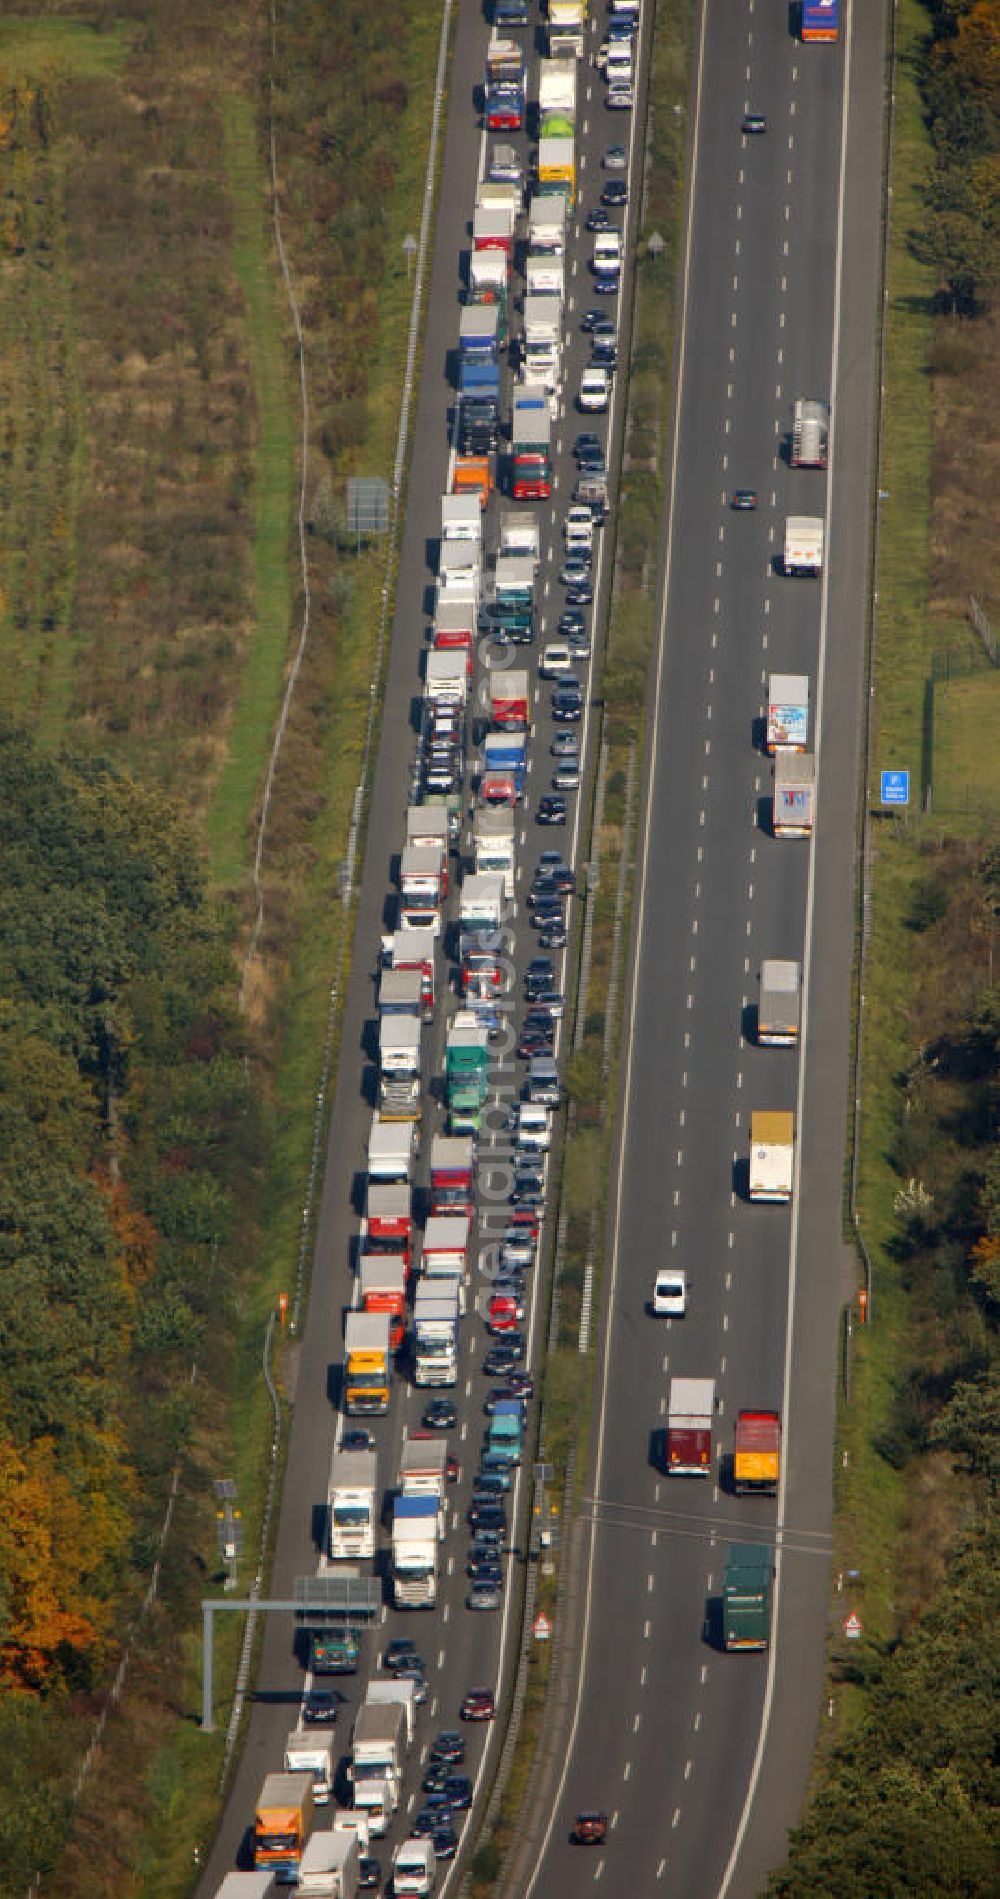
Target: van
{"x":413,"y":1869}
{"x":532,"y":1134}
{"x":543,"y":1082}
{"x":618,"y":64}
{"x":607,"y":251}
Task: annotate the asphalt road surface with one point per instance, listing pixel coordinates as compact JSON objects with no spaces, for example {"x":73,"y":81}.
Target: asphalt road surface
{"x":459,"y":1648}
{"x":699,"y":1758}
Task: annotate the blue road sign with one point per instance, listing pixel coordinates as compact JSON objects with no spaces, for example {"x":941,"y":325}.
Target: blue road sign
{"x":895,"y":787}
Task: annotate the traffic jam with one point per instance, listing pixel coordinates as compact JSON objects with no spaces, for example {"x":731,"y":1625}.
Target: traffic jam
{"x":433,"y":1423}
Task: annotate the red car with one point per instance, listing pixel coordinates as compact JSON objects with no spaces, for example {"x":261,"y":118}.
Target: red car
{"x":479,"y":1705}
{"x":506,"y":1312}
{"x":590,"y":1829}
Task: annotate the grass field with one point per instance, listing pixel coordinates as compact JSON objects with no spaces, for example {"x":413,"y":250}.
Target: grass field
{"x":37,"y":51}
{"x":250,"y":735}
{"x":967,"y":749}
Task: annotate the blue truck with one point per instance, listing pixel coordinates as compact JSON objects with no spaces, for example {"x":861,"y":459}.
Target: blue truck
{"x":820,"y":19}
{"x":505,"y":755}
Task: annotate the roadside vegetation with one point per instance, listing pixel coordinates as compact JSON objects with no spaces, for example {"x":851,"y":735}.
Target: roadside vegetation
{"x":149,"y":605}
{"x":592,"y":1071}
{"x":905,"y":1794}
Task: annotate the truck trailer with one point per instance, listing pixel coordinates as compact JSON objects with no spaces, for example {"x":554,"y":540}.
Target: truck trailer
{"x":810,"y":433}
{"x":283,"y":1821}
{"x":690,"y":1413}
{"x":352,"y":1502}
{"x":803,"y":544}
{"x":746,"y":1596}
{"x":787,"y":712}
{"x":794,"y":794}
{"x":772,"y":1154}
{"x":780,"y":1004}
{"x":757,"y":1453}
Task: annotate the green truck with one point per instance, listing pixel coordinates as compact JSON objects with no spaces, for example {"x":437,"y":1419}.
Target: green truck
{"x":467,"y":1063}
{"x":746,"y":1596}
{"x":335,"y":1651}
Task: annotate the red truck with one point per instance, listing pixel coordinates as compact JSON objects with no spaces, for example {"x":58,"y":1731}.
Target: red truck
{"x":387,"y":1228}
{"x":383,"y":1289}
{"x":757,"y":1453}
{"x":452,"y":1174}
{"x":690,"y":1414}
{"x":509,"y":701}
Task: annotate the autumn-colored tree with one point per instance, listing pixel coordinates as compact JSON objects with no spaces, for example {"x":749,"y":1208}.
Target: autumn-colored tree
{"x":50,"y":1550}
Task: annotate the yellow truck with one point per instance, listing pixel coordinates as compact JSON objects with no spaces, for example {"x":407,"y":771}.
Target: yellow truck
{"x":757,"y":1453}
{"x":366,"y":1363}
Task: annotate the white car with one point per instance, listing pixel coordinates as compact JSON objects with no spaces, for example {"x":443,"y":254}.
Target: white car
{"x":670,"y":1293}
{"x":578,"y":529}
{"x":619,"y":99}
{"x":595,"y":390}
{"x":554,"y":661}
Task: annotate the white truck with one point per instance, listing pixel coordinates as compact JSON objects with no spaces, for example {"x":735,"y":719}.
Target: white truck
{"x":803,"y":544}
{"x":459,"y":562}
{"x":446,"y":676}
{"x":794,"y":794}
{"x":392,"y":1691}
{"x":436,"y":1315}
{"x":787,"y":712}
{"x":547,"y":227}
{"x":487,"y":279}
{"x":482,"y":903}
{"x":353,"y":1504}
{"x":690,"y":1417}
{"x":557,"y":87}
{"x":310,"y":1751}
{"x":444,"y":1256}
{"x":391,"y":1147}
{"x":810,"y":433}
{"x":462,"y":516}
{"x":545,"y":277}
{"x":378,"y":1753}
{"x":772,"y":1154}
{"x":399,"y":1068}
{"x":330,"y":1867}
{"x":541,"y":353}
{"x":414,"y":1552}
{"x":421,"y":886}
{"x":493,"y":843}
{"x":414,"y":1869}
{"x":519,"y":537}
{"x":567,"y":20}
{"x":780,"y":1005}
{"x":427,"y":825}
{"x":501,"y":194}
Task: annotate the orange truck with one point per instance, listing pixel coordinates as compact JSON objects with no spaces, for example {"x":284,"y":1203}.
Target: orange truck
{"x":757,"y":1453}
{"x":473,"y":475}
{"x":282,"y":1823}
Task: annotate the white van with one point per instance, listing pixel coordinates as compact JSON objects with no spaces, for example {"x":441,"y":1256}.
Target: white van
{"x":413,"y":1869}
{"x":618,"y":70}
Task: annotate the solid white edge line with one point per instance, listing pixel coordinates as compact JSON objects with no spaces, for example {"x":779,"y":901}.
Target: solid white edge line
{"x":682,"y":348}
{"x":793,"y":1247}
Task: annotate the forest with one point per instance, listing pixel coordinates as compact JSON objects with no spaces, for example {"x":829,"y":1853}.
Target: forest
{"x":127,"y":1124}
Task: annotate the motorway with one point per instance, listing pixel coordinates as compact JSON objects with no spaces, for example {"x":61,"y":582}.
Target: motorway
{"x":460,"y":1650}
{"x":699,"y":1758}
